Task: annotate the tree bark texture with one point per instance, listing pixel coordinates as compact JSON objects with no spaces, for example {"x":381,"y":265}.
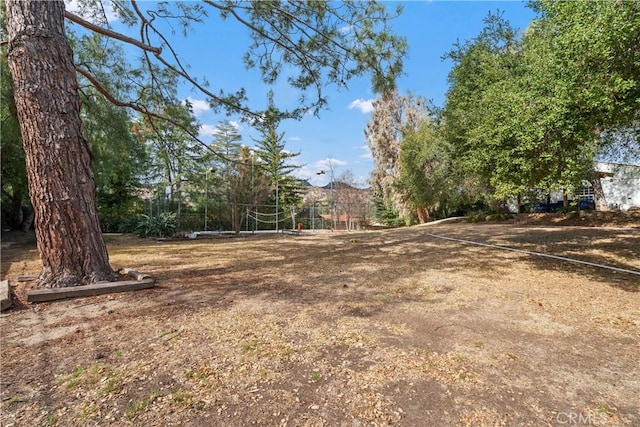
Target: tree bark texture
{"x":61,"y":182}
{"x":423,"y":215}
{"x":598,"y":194}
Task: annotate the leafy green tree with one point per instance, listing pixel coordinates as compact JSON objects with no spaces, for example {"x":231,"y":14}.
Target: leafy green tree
{"x":582,"y":57}
{"x":428,"y":181}
{"x":481,"y":66}
{"x":119,"y":161}
{"x":508,"y":121}
{"x":595,"y":48}
{"x":15,"y":193}
{"x":176,"y":157}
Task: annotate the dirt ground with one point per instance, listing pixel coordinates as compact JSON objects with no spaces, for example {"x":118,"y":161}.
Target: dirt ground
{"x":391,"y":327}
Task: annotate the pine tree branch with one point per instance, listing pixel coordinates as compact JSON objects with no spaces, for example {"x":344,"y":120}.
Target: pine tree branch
{"x":144,"y":111}
{"x":111,"y":34}
{"x":180,"y":69}
{"x":104,"y":92}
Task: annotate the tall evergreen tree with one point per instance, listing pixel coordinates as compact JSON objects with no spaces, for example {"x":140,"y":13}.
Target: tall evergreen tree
{"x":61,"y":182}
{"x":227,"y":142}
{"x":277,"y":165}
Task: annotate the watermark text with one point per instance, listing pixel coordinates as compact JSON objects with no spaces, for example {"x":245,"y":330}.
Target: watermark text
{"x":578,"y":418}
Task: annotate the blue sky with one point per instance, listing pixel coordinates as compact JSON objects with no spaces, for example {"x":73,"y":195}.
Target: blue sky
{"x":336,"y":139}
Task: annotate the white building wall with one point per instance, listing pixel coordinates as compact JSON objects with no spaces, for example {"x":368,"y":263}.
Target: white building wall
{"x":621,"y":186}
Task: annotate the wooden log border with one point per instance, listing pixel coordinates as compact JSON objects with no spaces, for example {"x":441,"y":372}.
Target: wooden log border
{"x":5,"y":295}
{"x":53,"y":294}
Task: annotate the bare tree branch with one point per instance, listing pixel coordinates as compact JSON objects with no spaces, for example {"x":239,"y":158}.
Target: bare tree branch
{"x":112,"y":34}
{"x":104,"y":92}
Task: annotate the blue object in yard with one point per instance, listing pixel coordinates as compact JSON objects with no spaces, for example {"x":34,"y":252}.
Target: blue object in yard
{"x":544,"y":207}
{"x":586,"y":205}
{"x":547,"y":207}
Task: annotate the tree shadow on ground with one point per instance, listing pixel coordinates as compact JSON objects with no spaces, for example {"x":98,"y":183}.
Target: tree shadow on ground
{"x":348,"y":269}
{"x":406,"y":280}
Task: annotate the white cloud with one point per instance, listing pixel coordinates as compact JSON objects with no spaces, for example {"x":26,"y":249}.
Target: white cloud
{"x":198,"y":106}
{"x":362,"y":181}
{"x":329,"y":164}
{"x":313,"y":172}
{"x":367,"y":152}
{"x":295,"y":138}
{"x":303,"y":172}
{"x":72,"y":6}
{"x":212,"y":130}
{"x":364,"y":105}
{"x":346,"y":29}
{"x":208,"y":130}
{"x":318,"y":181}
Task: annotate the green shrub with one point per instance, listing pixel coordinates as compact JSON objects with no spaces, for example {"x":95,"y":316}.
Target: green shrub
{"x":119,"y":216}
{"x":162,"y":225}
{"x":128,"y":225}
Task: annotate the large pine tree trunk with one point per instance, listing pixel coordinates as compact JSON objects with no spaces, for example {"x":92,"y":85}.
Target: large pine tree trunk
{"x":61,"y":183}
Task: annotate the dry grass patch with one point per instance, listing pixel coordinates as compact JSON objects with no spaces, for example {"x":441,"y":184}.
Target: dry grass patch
{"x":381,"y":328}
